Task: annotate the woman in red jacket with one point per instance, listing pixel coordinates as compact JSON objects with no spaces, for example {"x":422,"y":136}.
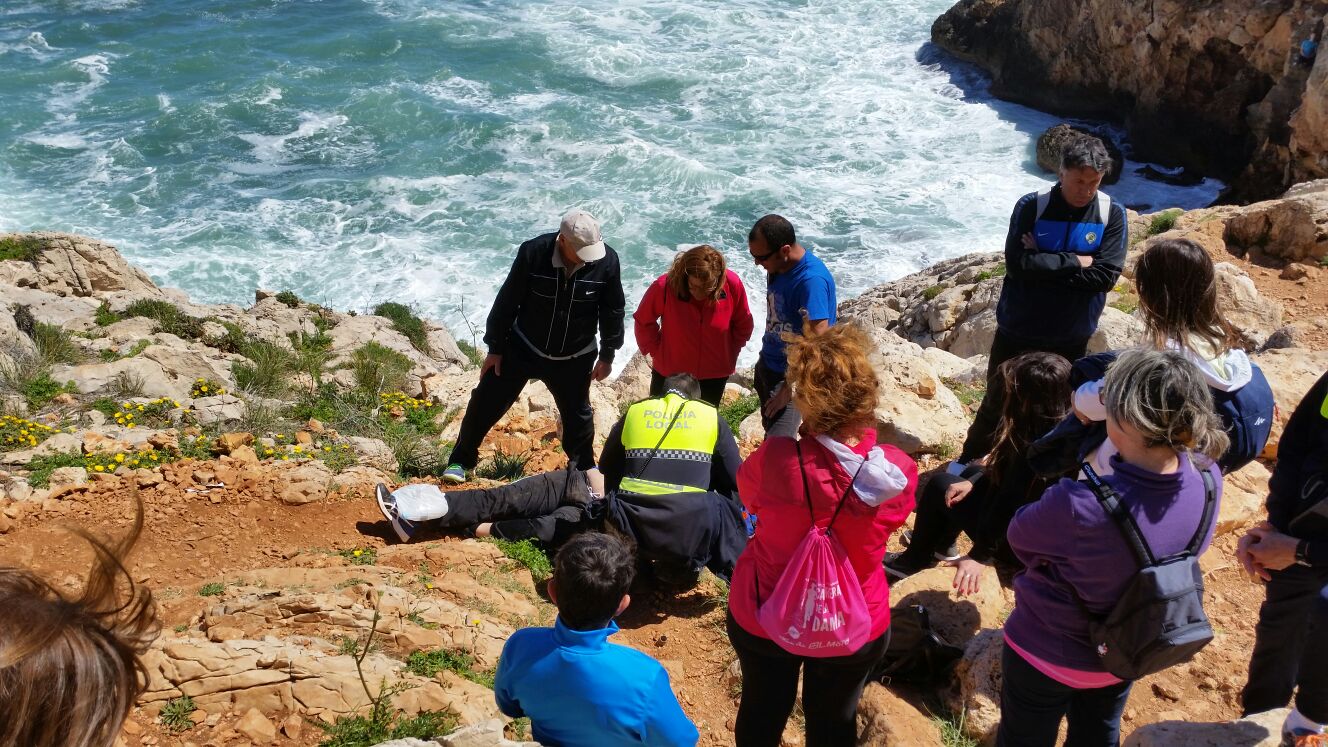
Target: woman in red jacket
{"x":694,"y":319}
{"x":834,"y":387}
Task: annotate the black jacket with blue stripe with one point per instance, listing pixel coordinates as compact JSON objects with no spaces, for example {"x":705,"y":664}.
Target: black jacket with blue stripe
{"x":1047,"y":297}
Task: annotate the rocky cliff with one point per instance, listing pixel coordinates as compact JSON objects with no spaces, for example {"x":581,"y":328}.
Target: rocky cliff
{"x":1216,"y":85}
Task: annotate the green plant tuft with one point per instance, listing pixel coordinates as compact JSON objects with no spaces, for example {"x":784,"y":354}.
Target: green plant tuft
{"x":266,"y":375}
{"x":168,"y":316}
{"x":404,"y":321}
{"x":932,"y":292}
{"x":360,"y":556}
{"x":175,"y":714}
{"x":40,"y":468}
{"x":212,"y":589}
{"x":996,"y":272}
{"x":362,"y":731}
{"x":737,"y":411}
{"x":105,"y":317}
{"x":528,"y":554}
{"x":430,"y":663}
{"x":55,"y":345}
{"x":472,"y":353}
{"x":289,"y":298}
{"x":21,"y":248}
{"x":504,"y":466}
{"x":1164,"y":221}
{"x":379,"y":369}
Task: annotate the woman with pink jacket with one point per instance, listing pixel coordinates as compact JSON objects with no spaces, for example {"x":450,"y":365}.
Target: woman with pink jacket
{"x":834,"y":387}
{"x":694,"y":319}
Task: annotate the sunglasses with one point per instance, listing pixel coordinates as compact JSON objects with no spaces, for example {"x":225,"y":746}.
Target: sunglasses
{"x":759,"y":258}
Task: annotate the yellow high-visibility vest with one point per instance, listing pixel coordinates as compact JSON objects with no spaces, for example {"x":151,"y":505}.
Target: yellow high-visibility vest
{"x":682,"y":462}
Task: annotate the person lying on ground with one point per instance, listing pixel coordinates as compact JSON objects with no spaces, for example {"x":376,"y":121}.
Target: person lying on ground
{"x":575,"y":686}
{"x":668,"y":483}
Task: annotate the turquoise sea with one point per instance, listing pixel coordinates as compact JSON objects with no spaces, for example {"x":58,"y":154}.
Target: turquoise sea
{"x":357,"y":151}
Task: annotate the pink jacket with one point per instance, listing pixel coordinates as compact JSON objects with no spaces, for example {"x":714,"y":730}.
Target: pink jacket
{"x":771,"y":487}
{"x":695,"y":337}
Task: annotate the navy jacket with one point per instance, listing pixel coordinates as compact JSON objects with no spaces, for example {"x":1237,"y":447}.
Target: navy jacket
{"x":1301,"y":476}
{"x":556,"y":314}
{"x":1047,"y":298}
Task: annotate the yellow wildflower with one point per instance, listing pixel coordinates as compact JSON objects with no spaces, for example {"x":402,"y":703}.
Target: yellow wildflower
{"x":119,"y":457}
{"x":99,"y":468}
{"x":358,"y":553}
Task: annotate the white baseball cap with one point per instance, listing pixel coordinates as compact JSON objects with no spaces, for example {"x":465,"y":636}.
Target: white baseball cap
{"x":581,"y":231}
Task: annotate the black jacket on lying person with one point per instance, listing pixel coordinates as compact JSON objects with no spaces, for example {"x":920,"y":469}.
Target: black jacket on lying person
{"x":557,"y":314}
{"x":1300,"y":479}
{"x":661,"y":494}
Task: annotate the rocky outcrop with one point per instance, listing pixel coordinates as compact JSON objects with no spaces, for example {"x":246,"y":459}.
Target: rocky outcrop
{"x":1214,"y":86}
{"x":1260,"y":730}
{"x":1051,"y":144}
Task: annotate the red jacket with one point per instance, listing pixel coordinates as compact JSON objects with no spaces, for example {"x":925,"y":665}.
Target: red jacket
{"x":771,"y":487}
{"x":701,"y":338}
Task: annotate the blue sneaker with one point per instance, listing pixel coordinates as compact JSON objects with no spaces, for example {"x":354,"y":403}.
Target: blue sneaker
{"x":455,"y":474}
{"x":388,"y":505}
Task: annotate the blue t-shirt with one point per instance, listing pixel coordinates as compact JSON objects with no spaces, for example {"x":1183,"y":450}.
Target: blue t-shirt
{"x":579,"y":690}
{"x":808,"y":285}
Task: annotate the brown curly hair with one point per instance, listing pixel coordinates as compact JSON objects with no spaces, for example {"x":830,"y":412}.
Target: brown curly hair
{"x":704,"y":263}
{"x":834,"y":384}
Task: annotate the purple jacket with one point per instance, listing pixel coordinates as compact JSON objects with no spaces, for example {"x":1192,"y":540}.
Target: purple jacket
{"x":1067,"y":542}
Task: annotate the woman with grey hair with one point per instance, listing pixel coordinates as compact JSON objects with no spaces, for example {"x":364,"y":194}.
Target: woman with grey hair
{"x":1160,"y":417}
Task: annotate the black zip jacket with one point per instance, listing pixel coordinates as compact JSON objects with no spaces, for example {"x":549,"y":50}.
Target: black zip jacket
{"x":1046,"y":296}
{"x":1300,"y":478}
{"x":558,"y":314}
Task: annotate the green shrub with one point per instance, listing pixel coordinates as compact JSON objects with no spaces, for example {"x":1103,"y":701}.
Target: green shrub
{"x":472,"y":353}
{"x":175,"y":714}
{"x":266,"y":375}
{"x":430,"y":663}
{"x":311,"y":353}
{"x":969,"y":395}
{"x":404,"y":321}
{"x":21,"y":433}
{"x":379,"y":369}
{"x":54,"y":345}
{"x":504,"y":466}
{"x":213,"y":589}
{"x":111,"y":355}
{"x":168,"y":317}
{"x":41,"y":389}
{"x":528,"y":554}
{"x":1164,"y":221}
{"x":996,"y":272}
{"x":366,"y":731}
{"x":40,"y":468}
{"x":232,"y":341}
{"x":21,"y":248}
{"x":105,"y":317}
{"x":932,"y":292}
{"x":289,"y":298}
{"x":737,"y":411}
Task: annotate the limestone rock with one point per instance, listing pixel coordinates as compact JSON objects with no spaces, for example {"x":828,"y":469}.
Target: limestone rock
{"x":229,"y":442}
{"x":1290,"y":372}
{"x":1116,"y":330}
{"x":1255,"y":318}
{"x":307,"y":482}
{"x":372,"y":452}
{"x":1293,"y":228}
{"x":254,"y":725}
{"x":1052,"y":142}
{"x":956,"y":618}
{"x":1244,"y":493}
{"x":915,"y":410}
{"x":887,"y":719}
{"x":750,"y":430}
{"x":60,"y":443}
{"x":1260,"y":730}
{"x":72,"y":265}
{"x":62,"y":476}
{"x":977,"y":689}
{"x":223,"y":408}
{"x":487,"y":734}
{"x":359,"y":481}
{"x":634,"y":381}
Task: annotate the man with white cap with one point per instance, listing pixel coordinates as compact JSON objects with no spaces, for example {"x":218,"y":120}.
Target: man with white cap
{"x":562,"y":288}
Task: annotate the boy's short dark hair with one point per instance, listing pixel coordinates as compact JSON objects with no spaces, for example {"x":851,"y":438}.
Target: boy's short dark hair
{"x":592,"y":573}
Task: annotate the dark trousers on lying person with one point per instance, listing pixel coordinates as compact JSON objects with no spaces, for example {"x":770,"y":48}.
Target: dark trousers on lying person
{"x":569,"y":383}
{"x":978,"y":441}
{"x":1033,"y":704}
{"x":1291,"y":645}
{"x":938,"y":526}
{"x":831,"y":688}
{"x":549,"y":507}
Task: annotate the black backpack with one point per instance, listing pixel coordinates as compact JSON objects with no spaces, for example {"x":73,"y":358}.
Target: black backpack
{"x":916,"y":653}
{"x":1159,"y":621}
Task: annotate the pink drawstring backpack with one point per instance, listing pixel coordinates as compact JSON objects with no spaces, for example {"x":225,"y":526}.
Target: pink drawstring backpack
{"x":817,"y":608}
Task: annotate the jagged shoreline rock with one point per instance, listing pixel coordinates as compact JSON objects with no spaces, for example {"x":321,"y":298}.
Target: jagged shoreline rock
{"x":1216,"y":87}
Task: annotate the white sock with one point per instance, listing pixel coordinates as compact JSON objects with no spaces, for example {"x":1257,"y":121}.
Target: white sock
{"x":1297,"y":720}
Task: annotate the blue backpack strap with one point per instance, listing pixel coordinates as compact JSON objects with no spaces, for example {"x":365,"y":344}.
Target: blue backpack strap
{"x":1210,"y":504}
{"x":1111,"y":503}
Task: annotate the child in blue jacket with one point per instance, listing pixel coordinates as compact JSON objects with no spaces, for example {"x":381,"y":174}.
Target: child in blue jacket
{"x":576,"y":687}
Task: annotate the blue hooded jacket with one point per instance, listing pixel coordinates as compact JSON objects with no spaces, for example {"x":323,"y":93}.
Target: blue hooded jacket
{"x":579,"y":689}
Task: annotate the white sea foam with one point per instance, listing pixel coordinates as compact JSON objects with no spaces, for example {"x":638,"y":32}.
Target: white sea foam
{"x":271,"y":149}
{"x":164,"y":103}
{"x":63,"y":141}
{"x":270,"y":96}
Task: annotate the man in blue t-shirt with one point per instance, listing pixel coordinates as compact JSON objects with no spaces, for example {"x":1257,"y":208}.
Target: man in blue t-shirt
{"x":800,"y":299}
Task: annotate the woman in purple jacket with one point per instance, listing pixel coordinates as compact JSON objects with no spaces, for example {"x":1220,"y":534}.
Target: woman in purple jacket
{"x":1160,"y":416}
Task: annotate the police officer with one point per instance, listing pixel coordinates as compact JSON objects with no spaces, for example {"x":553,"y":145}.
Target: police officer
{"x":671,"y":472}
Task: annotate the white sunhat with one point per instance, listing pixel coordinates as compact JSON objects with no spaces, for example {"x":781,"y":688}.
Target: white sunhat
{"x":580,"y":230}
